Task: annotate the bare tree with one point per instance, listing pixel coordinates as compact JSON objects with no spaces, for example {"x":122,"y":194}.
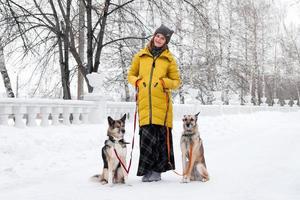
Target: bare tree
{"x":36,"y":27}
{"x":3,"y":70}
{"x":81,"y":42}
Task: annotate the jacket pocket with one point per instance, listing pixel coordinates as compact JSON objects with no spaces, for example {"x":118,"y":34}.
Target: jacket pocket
{"x":157,"y":86}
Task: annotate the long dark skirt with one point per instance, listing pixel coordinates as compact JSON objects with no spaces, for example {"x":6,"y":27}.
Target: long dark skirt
{"x":154,"y":151}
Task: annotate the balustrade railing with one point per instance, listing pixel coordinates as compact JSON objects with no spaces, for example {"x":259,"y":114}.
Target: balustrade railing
{"x":44,"y":112}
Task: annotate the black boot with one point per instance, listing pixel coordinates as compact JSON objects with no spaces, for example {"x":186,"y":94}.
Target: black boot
{"x":146,"y":176}
{"x":155,"y":176}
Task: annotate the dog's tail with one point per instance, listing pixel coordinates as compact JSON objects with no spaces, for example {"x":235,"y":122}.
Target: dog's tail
{"x":96,"y":178}
{"x":99,"y":178}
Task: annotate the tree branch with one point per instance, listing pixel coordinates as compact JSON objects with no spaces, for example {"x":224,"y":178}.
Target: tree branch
{"x":125,"y":38}
{"x":119,"y":6}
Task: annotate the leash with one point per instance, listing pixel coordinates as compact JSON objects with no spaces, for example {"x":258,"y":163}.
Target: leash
{"x":169,"y":155}
{"x":134,"y":128}
{"x":168,"y":134}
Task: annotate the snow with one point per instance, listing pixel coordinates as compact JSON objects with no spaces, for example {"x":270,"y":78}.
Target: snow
{"x":249,"y":157}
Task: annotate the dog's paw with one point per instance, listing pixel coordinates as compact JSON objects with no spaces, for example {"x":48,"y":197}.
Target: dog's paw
{"x":204,"y":179}
{"x":182,"y":181}
{"x":185,"y":180}
{"x":103,"y":182}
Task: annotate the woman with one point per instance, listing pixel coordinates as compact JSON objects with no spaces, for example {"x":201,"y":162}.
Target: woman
{"x":154,"y":73}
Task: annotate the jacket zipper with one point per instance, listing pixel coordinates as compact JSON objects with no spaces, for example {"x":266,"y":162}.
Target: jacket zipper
{"x":150,"y":98}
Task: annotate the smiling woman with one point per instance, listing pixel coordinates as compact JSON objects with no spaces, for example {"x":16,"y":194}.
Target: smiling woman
{"x":154,"y":73}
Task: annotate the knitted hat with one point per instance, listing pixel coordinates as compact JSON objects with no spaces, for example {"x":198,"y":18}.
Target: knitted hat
{"x":165,"y":31}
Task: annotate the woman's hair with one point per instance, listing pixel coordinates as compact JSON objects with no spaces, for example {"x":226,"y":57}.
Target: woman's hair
{"x":150,"y":45}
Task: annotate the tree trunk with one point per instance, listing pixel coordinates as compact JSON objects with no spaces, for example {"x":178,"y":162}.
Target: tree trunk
{"x":62,"y":36}
{"x":80,"y":90}
{"x":256,"y":72}
{"x":180,"y":50}
{"x":6,"y":79}
{"x":100,"y":36}
{"x":89,"y":36}
{"x":225,"y":89}
{"x":122,"y":57}
{"x":219,"y":35}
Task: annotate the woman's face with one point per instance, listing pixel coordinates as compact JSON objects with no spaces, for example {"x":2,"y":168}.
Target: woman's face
{"x":159,"y":40}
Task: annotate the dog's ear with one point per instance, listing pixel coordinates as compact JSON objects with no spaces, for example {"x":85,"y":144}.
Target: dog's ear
{"x":184,"y":116}
{"x":123,"y":118}
{"x":197,"y":115}
{"x":110,"y":121}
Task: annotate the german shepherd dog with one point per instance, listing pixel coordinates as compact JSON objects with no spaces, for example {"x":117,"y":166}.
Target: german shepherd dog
{"x":113,"y":172}
{"x":194,"y":168}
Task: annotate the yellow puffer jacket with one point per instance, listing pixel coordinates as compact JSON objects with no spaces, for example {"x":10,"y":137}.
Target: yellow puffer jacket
{"x":149,"y":73}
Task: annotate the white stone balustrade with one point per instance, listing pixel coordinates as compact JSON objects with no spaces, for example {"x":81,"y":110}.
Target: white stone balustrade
{"x":46,"y":112}
{"x":43,"y":112}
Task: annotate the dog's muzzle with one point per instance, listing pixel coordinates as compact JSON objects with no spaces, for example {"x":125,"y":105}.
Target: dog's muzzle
{"x":189,"y":126}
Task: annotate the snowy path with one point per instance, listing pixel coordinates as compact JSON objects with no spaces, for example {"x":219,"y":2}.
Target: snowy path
{"x":253,"y":157}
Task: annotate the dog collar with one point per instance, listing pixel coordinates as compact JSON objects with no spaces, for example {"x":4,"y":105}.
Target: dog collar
{"x":121,"y":141}
{"x":188,"y":134}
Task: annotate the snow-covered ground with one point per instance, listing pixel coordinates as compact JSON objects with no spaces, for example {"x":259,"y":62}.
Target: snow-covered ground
{"x":249,"y":157}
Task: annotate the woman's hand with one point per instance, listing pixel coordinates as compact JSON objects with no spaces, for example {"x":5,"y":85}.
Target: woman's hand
{"x":138,"y":81}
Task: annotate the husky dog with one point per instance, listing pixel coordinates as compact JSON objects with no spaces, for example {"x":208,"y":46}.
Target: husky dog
{"x":194,"y":168}
{"x":113,"y":172}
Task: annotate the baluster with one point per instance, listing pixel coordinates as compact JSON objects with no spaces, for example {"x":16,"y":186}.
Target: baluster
{"x":55,"y":115}
{"x":32,"y":113}
{"x":5,"y":110}
{"x":286,"y":102}
{"x":85,"y":115}
{"x":66,"y":115}
{"x":45,"y":111}
{"x":76,"y":115}
{"x":295,"y":103}
{"x":19,"y":112}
